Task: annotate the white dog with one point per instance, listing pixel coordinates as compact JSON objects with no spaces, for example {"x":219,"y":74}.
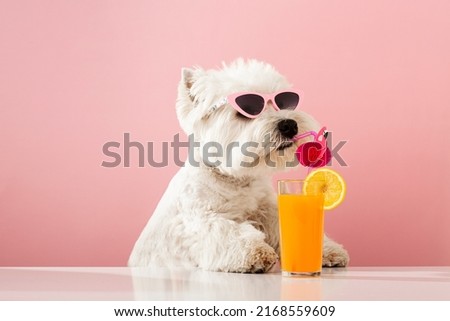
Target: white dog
{"x":219,"y":212}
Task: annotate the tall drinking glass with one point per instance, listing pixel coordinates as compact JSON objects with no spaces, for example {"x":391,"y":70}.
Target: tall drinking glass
{"x":301,"y":228}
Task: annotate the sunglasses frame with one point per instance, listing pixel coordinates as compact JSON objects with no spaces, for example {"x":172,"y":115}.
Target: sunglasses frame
{"x":231,"y":99}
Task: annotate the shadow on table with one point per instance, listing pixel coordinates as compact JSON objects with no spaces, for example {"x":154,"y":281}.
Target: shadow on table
{"x":182,"y":284}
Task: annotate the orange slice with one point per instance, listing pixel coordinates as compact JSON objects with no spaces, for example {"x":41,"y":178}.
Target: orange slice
{"x":333,"y":186}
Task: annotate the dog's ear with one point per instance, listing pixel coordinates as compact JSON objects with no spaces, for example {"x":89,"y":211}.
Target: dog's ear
{"x":186,"y":100}
{"x":187,"y":78}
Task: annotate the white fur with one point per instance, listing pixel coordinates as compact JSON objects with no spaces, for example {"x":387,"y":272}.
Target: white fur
{"x":224,"y":218}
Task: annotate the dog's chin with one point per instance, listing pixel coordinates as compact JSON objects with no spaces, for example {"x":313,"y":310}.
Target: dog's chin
{"x":285,"y":145}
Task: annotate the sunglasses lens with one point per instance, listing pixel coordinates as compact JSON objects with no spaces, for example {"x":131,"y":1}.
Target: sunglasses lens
{"x":250,"y":103}
{"x":287,"y":100}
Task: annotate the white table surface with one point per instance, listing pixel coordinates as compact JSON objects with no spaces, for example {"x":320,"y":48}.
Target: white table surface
{"x":117,"y":283}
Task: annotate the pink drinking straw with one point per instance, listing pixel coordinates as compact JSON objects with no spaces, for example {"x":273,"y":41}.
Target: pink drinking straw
{"x":315,"y":153}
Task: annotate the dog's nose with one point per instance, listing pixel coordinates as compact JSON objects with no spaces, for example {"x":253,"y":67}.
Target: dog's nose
{"x":288,"y":128}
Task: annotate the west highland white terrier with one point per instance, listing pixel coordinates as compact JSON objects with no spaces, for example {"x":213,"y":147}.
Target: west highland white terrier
{"x":219,"y":212}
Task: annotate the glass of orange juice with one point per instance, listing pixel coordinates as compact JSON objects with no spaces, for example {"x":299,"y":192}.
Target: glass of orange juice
{"x":301,"y":228}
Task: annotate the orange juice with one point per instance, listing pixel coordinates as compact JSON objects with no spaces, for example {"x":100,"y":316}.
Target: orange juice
{"x":301,"y":232}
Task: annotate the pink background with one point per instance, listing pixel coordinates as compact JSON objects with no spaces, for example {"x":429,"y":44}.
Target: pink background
{"x":77,"y":74}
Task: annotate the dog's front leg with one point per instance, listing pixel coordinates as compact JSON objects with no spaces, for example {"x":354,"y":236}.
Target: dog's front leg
{"x":220,"y":244}
{"x":267,"y":222}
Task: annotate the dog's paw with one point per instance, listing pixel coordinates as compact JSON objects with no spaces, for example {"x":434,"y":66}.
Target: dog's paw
{"x":335,"y":255}
{"x":259,"y":258}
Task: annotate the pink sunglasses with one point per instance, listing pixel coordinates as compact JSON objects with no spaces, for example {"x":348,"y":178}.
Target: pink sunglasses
{"x":251,"y":105}
{"x":316,"y":153}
